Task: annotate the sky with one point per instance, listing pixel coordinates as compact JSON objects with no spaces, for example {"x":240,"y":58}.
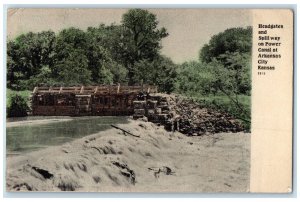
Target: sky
{"x":189,"y":29}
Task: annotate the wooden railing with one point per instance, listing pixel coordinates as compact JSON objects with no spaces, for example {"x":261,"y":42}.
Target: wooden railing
{"x":102,"y":89}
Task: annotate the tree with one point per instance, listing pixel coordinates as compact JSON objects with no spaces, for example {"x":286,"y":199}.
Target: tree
{"x":161,"y":72}
{"x":27,"y":54}
{"x":194,"y":79}
{"x":73,"y":70}
{"x":230,"y":41}
{"x":140,"y":39}
{"x":233,"y":80}
{"x":100,"y":53}
{"x":70,"y":61}
{"x":44,"y":78}
{"x":230,"y":50}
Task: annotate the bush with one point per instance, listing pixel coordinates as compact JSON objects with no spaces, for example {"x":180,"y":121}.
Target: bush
{"x":18,"y":107}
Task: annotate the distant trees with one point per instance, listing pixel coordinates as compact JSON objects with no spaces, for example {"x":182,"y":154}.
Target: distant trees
{"x":223,"y":70}
{"x":224,"y":65}
{"x":230,"y":41}
{"x":99,"y":55}
{"x":229,"y":55}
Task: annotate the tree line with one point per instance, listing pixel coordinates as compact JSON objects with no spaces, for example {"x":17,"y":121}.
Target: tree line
{"x":129,"y":53}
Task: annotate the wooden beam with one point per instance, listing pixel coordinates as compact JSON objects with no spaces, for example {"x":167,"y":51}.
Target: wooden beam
{"x":35,"y":89}
{"x":96,"y":89}
{"x":118,"y":90}
{"x":124,"y":131}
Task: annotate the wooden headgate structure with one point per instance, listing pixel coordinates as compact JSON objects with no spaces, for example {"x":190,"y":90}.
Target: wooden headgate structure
{"x":101,"y":100}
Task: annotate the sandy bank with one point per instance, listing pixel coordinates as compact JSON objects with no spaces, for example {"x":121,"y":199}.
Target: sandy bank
{"x":34,"y":122}
{"x":157,"y":161}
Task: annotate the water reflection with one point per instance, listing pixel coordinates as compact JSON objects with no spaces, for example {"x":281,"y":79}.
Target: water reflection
{"x":29,"y":138}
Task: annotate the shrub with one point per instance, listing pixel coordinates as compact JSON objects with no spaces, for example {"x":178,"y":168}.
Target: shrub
{"x":18,"y":107}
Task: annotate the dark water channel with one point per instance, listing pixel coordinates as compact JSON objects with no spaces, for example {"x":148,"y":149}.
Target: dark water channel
{"x":33,"y":137}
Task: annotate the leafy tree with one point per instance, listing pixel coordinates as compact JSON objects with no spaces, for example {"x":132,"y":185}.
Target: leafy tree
{"x":119,"y":73}
{"x":27,"y":54}
{"x":232,"y":80}
{"x":73,"y":70}
{"x":194,"y":78}
{"x":230,"y":41}
{"x":42,"y":79}
{"x":70,"y":61}
{"x":140,"y":39}
{"x":239,"y":64}
{"x":160,"y":71}
{"x":100,"y":54}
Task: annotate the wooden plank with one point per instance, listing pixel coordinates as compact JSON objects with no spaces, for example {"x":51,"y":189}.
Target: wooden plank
{"x":118,"y":89}
{"x":35,"y":89}
{"x":96,"y":89}
{"x":124,"y":131}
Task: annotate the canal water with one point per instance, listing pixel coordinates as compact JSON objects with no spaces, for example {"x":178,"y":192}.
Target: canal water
{"x":28,"y":138}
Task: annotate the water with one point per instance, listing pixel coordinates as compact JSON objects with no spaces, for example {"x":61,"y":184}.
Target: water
{"x":29,"y":138}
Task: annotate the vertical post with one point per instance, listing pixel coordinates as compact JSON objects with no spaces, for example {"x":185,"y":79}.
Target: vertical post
{"x":35,"y":89}
{"x":96,"y":89}
{"x":118,"y":90}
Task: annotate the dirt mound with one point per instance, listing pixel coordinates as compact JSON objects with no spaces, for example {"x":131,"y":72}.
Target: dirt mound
{"x":148,"y":158}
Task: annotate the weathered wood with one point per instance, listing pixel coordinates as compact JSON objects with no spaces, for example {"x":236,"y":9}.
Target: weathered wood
{"x":103,"y":99}
{"x":125,"y":131}
{"x":101,"y":89}
{"x":35,"y":89}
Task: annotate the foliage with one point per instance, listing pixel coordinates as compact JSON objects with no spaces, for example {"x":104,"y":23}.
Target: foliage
{"x":26,"y":55}
{"x":10,"y":93}
{"x":194,"y":77}
{"x":18,"y":106}
{"x":230,"y":41}
{"x":222,"y":78}
{"x":140,"y":39}
{"x":99,"y":55}
{"x":160,"y":72}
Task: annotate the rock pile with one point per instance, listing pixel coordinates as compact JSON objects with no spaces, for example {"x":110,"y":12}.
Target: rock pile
{"x":185,"y":116}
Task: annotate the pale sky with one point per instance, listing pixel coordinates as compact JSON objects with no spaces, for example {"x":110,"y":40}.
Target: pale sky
{"x":189,"y":29}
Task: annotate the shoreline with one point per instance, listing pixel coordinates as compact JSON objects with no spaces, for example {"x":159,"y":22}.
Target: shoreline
{"x":35,"y":122}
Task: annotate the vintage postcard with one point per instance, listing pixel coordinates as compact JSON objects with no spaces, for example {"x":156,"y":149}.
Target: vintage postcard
{"x":149,"y":100}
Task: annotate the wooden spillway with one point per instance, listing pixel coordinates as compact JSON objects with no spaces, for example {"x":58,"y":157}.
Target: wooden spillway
{"x":101,"y":100}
